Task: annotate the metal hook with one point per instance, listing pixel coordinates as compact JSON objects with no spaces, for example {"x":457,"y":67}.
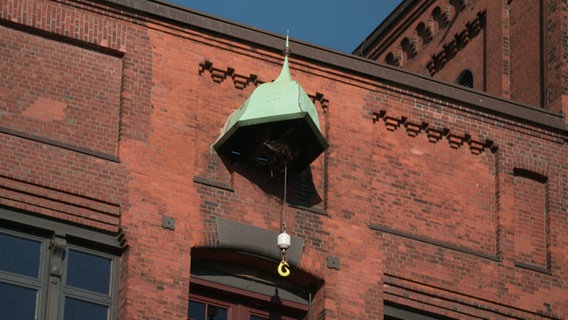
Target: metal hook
{"x":284,"y":268}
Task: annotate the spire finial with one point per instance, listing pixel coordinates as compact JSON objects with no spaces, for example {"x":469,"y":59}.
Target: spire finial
{"x":287,"y":48}
{"x":285,"y":72}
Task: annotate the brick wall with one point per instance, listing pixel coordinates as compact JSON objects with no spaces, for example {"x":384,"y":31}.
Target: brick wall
{"x":421,"y":199}
{"x":511,"y":47}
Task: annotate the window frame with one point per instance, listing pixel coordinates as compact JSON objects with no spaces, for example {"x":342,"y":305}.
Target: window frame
{"x":231,"y":310}
{"x":40,"y":283}
{"x":236,"y":300}
{"x":466,"y":79}
{"x":49,"y":233}
{"x":67,"y":290}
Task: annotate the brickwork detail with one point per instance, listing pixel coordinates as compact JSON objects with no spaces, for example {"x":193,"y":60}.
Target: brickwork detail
{"x":59,"y":204}
{"x":61,"y":183}
{"x":434,"y":135}
{"x":219,"y":75}
{"x":531,"y":218}
{"x":72,"y":94}
{"x":421,"y":209}
{"x":439,"y":19}
{"x":444,"y":302}
{"x":240,"y":81}
{"x":422,"y":182}
{"x":460,"y":40}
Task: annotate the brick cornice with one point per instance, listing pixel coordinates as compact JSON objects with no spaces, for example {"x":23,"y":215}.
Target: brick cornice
{"x":434,"y":134}
{"x":340,"y":61}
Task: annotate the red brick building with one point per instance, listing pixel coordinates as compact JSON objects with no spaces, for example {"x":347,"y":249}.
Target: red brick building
{"x":510,"y":49}
{"x":433,"y":201}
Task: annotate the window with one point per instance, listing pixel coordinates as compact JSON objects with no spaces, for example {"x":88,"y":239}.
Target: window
{"x":214,"y":301}
{"x":90,"y":294}
{"x":52,"y":274}
{"x":19,"y":275}
{"x":207,"y":310}
{"x":465,"y":79}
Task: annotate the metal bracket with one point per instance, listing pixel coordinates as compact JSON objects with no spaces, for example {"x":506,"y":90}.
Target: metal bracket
{"x":168,"y":222}
{"x":57,"y":253}
{"x":333,"y":262}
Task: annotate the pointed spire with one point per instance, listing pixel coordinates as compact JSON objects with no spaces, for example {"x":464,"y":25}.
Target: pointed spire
{"x":287,"y":48}
{"x":276,"y":127}
{"x":285,"y":74}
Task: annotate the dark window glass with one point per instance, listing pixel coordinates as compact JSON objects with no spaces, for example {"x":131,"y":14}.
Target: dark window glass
{"x":202,"y":311}
{"x":19,"y":255}
{"x":82,"y":310}
{"x":196,"y":310}
{"x":257,"y":318}
{"x":17,"y":303}
{"x":216,"y":313}
{"x":465,"y":79}
{"x":88,"y":271}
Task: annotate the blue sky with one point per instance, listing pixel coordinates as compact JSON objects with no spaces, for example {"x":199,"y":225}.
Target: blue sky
{"x":335,"y":24}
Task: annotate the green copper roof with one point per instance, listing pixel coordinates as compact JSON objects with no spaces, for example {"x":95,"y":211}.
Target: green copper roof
{"x":281,"y":98}
{"x":279,"y":112}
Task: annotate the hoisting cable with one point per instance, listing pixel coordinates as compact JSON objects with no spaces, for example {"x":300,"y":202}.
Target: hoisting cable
{"x":283,"y":237}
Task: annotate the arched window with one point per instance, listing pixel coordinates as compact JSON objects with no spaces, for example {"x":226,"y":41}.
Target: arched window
{"x":465,"y":78}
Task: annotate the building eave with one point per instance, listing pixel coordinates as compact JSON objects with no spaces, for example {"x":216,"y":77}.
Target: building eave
{"x":352,"y":64}
{"x":386,"y":24}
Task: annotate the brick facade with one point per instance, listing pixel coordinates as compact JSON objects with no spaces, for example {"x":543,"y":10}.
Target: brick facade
{"x":513,"y":47}
{"x":430,"y":196}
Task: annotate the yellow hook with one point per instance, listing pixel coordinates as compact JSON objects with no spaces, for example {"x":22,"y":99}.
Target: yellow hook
{"x":284,"y":268}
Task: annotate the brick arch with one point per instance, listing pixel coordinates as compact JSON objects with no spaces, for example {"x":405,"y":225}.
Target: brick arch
{"x":440,"y":17}
{"x":408,"y":48}
{"x":235,"y":237}
{"x":466,"y":78}
{"x":536,"y":166}
{"x":452,"y":9}
{"x":392,"y":59}
{"x":216,"y":265}
{"x":424,"y":33}
{"x":458,"y":5}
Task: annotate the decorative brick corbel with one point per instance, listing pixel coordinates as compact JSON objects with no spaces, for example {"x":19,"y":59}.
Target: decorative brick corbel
{"x":241,"y":81}
{"x":476,"y":147}
{"x":376,"y":115}
{"x":392,"y":123}
{"x":491,"y":146}
{"x":414,"y":129}
{"x":219,"y":75}
{"x":319,"y":98}
{"x":437,"y":62}
{"x":450,"y":50}
{"x":473,"y":27}
{"x":436,"y":135}
{"x":456,"y":141}
{"x":462,"y":39}
{"x":205,"y":65}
